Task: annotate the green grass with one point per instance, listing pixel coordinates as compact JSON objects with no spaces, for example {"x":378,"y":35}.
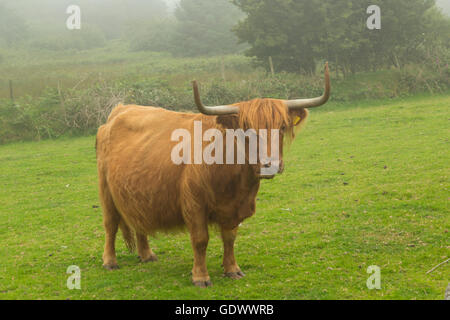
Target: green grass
{"x":366,"y":185}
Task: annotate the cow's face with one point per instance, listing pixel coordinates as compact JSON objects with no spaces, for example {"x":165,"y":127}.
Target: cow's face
{"x":273,"y":124}
{"x":283,"y":116}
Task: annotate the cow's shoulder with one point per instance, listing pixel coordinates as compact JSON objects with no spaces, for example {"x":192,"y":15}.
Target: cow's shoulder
{"x":134,"y":118}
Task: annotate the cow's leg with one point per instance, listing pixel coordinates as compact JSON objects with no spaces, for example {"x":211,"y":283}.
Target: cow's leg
{"x":145,"y":252}
{"x":111,"y":219}
{"x":199,"y":241}
{"x":230,"y":266}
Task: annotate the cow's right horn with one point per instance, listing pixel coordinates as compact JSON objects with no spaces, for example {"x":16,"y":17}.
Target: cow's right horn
{"x":212,"y":111}
{"x":314,"y":102}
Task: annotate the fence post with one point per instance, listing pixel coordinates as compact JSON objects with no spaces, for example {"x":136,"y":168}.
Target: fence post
{"x":223,"y":68}
{"x":61,"y":100}
{"x":272,"y":70}
{"x":11,"y":92}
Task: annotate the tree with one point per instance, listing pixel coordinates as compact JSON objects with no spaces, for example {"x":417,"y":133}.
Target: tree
{"x":299,"y":33}
{"x":156,"y":35}
{"x":404,"y":27}
{"x":284,"y":29}
{"x":204,"y":27}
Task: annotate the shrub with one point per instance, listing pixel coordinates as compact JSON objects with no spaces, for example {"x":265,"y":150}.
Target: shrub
{"x":87,"y":38}
{"x":80,"y":112}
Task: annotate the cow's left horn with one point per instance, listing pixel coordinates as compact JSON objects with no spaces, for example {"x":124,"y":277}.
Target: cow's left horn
{"x":212,"y":111}
{"x":315,"y":102}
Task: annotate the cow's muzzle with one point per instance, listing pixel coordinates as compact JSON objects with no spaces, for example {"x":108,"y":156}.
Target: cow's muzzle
{"x":270,"y":170}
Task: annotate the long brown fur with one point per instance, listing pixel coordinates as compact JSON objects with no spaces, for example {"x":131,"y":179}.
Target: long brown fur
{"x":144,"y":192}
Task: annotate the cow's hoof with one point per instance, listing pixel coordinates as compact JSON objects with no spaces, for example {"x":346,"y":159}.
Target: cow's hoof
{"x":111,"y":267}
{"x":151,"y":258}
{"x":235,"y":275}
{"x":202,"y":284}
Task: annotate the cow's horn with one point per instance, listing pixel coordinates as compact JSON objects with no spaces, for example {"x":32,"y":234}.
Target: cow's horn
{"x":212,"y":111}
{"x":314,"y":102}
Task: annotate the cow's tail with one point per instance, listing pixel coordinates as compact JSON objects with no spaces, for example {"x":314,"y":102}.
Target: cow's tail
{"x":128,"y":236}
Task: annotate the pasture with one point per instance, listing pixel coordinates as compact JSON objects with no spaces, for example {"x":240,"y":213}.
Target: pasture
{"x":365,"y":184}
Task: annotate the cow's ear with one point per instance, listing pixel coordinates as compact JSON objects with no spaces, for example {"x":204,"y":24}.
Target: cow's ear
{"x":298,"y":117}
{"x":228,"y":121}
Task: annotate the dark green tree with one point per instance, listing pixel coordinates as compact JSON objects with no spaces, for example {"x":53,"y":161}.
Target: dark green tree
{"x":404,"y":28}
{"x":299,"y":33}
{"x":286,"y":30}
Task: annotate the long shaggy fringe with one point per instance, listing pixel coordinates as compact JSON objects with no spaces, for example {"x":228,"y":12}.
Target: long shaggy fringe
{"x":268,"y":114}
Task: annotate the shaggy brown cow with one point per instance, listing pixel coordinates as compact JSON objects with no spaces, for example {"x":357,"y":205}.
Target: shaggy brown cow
{"x":143,"y":191}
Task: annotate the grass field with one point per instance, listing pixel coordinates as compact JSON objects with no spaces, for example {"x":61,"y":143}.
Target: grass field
{"x":33,"y":71}
{"x":365,"y":184}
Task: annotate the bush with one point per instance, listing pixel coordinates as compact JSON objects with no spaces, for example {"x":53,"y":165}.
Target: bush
{"x":87,"y":38}
{"x":80,"y":112}
{"x":15,"y":122}
{"x":416,"y":79}
{"x":432,"y":76}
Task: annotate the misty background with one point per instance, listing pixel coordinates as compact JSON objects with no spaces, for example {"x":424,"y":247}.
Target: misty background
{"x":55,"y":81}
{"x":154,"y":25}
{"x":186,"y":28}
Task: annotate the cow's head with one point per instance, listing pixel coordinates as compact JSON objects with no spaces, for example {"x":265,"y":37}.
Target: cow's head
{"x":279,"y":119}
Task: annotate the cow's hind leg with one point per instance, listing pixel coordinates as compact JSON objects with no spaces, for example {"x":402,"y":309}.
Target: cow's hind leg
{"x":111,"y":220}
{"x":230,"y":266}
{"x":145,"y":252}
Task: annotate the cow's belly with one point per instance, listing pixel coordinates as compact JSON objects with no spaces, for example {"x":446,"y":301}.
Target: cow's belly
{"x":146,"y":197}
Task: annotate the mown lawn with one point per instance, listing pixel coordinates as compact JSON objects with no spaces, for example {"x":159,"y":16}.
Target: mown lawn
{"x":365,"y":185}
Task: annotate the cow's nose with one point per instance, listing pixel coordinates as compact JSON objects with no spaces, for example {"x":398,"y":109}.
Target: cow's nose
{"x":272,"y":168}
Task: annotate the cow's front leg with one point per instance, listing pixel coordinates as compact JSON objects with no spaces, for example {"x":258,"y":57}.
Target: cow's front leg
{"x":230,"y":266}
{"x":199,"y":241}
